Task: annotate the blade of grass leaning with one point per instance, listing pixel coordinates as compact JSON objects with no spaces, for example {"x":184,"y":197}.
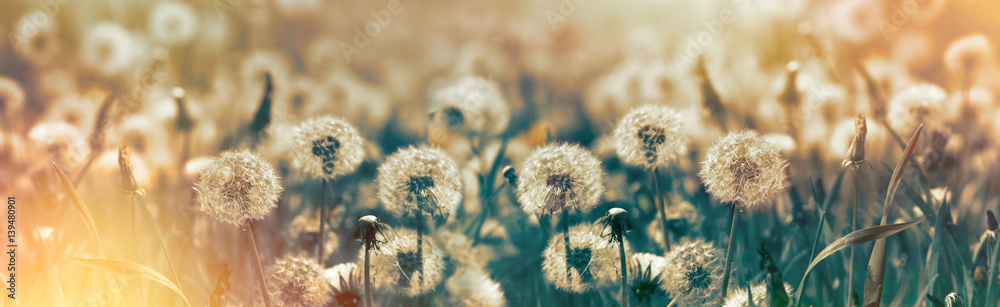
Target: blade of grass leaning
{"x":876,"y":264}
{"x":81,"y":207}
{"x":830,"y":198}
{"x":851,"y":239}
{"x":992,"y":291}
{"x":128,"y":267}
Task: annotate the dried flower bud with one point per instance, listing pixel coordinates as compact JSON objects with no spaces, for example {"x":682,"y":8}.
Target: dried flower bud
{"x":129,"y":185}
{"x":856,"y":153}
{"x":237,"y":187}
{"x":298,"y":281}
{"x":327,"y":147}
{"x":790,"y":95}
{"x":511,"y":175}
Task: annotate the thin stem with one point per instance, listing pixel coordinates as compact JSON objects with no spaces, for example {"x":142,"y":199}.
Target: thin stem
{"x":624,"y":270}
{"x":662,"y":208}
{"x":86,"y":167}
{"x":135,"y":240}
{"x":854,"y":225}
{"x":420,"y":241}
{"x":368,"y":281}
{"x":322,"y":221}
{"x":729,"y":253}
{"x":487,"y":205}
{"x":565,"y":231}
{"x":260,"y":269}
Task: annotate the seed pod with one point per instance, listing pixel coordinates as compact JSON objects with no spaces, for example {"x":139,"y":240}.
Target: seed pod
{"x":856,"y":153}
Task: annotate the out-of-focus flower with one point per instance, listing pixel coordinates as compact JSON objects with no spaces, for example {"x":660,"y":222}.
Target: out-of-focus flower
{"x":60,"y":142}
{"x":238,"y":186}
{"x":592,"y":262}
{"x":786,"y":144}
{"x":193,"y":167}
{"x":298,"y":281}
{"x":34,"y":38}
{"x":108,"y":49}
{"x":693,"y":275}
{"x":471,"y":103}
{"x":651,"y":136}
{"x":172,"y":23}
{"x":557,"y":177}
{"x":303,"y":235}
{"x":146,"y":137}
{"x":966,"y":55}
{"x":251,"y":71}
{"x":645,"y":271}
{"x":633,"y":83}
{"x":474,"y":288}
{"x":345,"y":280}
{"x":761,"y":292}
{"x":421,"y":178}
{"x":919,"y":103}
{"x":305,"y":99}
{"x":76,"y":109}
{"x":397,"y":268}
{"x":11,"y":99}
{"x":327,"y":147}
{"x":743,"y":169}
{"x":106,"y":165}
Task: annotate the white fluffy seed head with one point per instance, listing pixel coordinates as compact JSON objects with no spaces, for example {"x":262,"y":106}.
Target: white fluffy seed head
{"x":650,"y":136}
{"x":60,"y":142}
{"x":298,"y":281}
{"x":761,"y":295}
{"x":557,"y":177}
{"x":472,"y":103}
{"x":397,"y":268}
{"x":592,"y":264}
{"x":919,"y":103}
{"x":474,"y":288}
{"x":172,"y":23}
{"x":238,"y":186}
{"x":327,"y":147}
{"x":419,"y":178}
{"x":693,"y":275}
{"x":108,"y":49}
{"x":345,"y":281}
{"x":11,"y":98}
{"x":968,"y":53}
{"x":745,"y":170}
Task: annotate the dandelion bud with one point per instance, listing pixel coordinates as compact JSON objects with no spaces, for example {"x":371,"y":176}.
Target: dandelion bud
{"x":557,"y":177}
{"x":125,"y":164}
{"x":184,"y":121}
{"x":761,"y":292}
{"x":591,"y":263}
{"x":790,"y":95}
{"x":991,"y":220}
{"x":693,"y":275}
{"x":744,"y":169}
{"x":345,"y":280}
{"x":645,"y":271}
{"x":473,"y":104}
{"x":398,"y":268}
{"x":511,"y":175}
{"x":237,"y":187}
{"x":856,"y":153}
{"x":419,"y":178}
{"x":650,"y":136}
{"x":372,"y":231}
{"x":953,"y":300}
{"x":615,"y":224}
{"x":327,"y":147}
{"x":298,"y":281}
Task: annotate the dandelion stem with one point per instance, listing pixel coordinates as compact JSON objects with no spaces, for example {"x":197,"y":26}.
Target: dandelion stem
{"x":368,"y":281}
{"x":135,"y":240}
{"x":729,"y":254}
{"x":260,"y":269}
{"x":420,"y":241}
{"x":854,"y":224}
{"x":624,"y":270}
{"x":662,"y":208}
{"x":565,"y":230}
{"x":322,"y":220}
{"x":86,"y":167}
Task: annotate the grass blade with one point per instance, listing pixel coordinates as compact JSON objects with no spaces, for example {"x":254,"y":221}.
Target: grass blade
{"x":876,"y":264}
{"x":128,"y":267}
{"x":851,"y":239}
{"x":81,"y":207}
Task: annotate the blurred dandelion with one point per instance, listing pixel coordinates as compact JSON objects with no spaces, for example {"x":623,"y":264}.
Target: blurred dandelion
{"x":60,"y":142}
{"x":761,"y":296}
{"x":11,"y":102}
{"x":474,"y":288}
{"x":693,"y":275}
{"x":108,"y":49}
{"x":172,"y":23}
{"x":399,"y":267}
{"x":298,"y":281}
{"x":966,"y":55}
{"x":327,"y":147}
{"x":473,"y":104}
{"x":919,"y":103}
{"x":588,"y":263}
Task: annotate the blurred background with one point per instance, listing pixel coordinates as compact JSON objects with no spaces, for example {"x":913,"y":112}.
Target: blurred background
{"x":178,"y":82}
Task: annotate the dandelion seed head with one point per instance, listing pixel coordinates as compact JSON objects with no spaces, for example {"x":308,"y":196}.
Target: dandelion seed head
{"x":472,"y":103}
{"x":345,"y":282}
{"x":966,"y":54}
{"x":172,"y":23}
{"x":397,"y":268}
{"x":650,"y":136}
{"x":327,"y":147}
{"x":74,"y":108}
{"x":919,"y":103}
{"x":557,"y":177}
{"x":108,"y":49}
{"x":419,"y":178}
{"x":592,"y":262}
{"x":298,"y":281}
{"x":693,"y":274}
{"x":60,"y":142}
{"x":744,"y":169}
{"x":761,"y":295}
{"x":645,"y":272}
{"x":11,"y":98}
{"x":238,"y":186}
{"x":303,"y":235}
{"x":474,"y":288}
{"x":40,"y":41}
